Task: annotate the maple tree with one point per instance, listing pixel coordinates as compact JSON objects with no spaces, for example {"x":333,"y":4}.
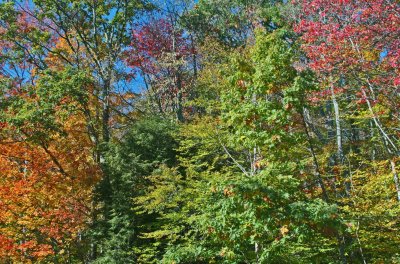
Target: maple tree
{"x":45,"y":201}
{"x":353,"y":47}
{"x":163,"y":55}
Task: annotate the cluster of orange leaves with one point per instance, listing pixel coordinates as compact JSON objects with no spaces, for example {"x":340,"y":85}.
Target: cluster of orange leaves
{"x":43,"y":210}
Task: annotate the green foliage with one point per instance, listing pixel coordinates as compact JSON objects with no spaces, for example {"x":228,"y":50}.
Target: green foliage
{"x":253,"y":214}
{"x":145,"y":146}
{"x":270,"y":162}
{"x":38,"y":111}
{"x":231,"y":22}
{"x":177,"y":195}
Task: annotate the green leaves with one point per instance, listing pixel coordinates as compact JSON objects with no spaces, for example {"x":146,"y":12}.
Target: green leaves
{"x":38,"y":111}
{"x":128,"y":164}
{"x":257,"y":104}
{"x":67,"y":84}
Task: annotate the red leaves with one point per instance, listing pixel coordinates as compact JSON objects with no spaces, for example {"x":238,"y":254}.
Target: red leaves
{"x":344,"y":28}
{"x":396,"y":81}
{"x":352,"y":40}
{"x":6,"y":246}
{"x":151,"y":41}
{"x":325,"y":94}
{"x":163,"y":55}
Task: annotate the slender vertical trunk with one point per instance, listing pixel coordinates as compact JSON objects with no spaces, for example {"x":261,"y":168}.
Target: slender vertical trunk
{"x":340,"y":155}
{"x":106,"y":110}
{"x":338,"y":127}
{"x":342,"y":244}
{"x":340,"y":238}
{"x":395,"y":178}
{"x":310,"y":124}
{"x":194,"y":57}
{"x":179,"y":103}
{"x":364,"y":261}
{"x":372,"y":135}
{"x":105,"y":136}
{"x":256,"y":250}
{"x":329,"y":125}
{"x":93,"y":249}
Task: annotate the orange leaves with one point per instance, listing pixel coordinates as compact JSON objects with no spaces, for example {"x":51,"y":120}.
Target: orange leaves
{"x":41,"y":208}
{"x":62,"y":49}
{"x":43,"y":251}
{"x":6,"y":246}
{"x":228,"y":191}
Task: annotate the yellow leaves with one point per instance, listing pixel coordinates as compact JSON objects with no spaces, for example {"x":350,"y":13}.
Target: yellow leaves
{"x":213,"y":189}
{"x":62,"y":50}
{"x":74,"y":152}
{"x":223,"y":252}
{"x":227,"y":253}
{"x":276,"y":138}
{"x":159,"y":234}
{"x":284,"y":230}
{"x":371,"y":55}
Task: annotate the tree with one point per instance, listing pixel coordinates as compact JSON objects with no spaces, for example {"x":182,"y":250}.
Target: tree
{"x":45,"y":195}
{"x":262,"y":206}
{"x":353,"y":48}
{"x":144,"y":147}
{"x":65,"y":55}
{"x":266,"y":131}
{"x":161,"y":53}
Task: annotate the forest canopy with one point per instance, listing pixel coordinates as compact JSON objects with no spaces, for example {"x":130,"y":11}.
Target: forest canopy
{"x":209,"y":131}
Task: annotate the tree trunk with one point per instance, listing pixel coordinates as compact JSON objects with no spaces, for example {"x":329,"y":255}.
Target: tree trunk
{"x":106,"y":110}
{"x":395,"y":178}
{"x":340,"y":154}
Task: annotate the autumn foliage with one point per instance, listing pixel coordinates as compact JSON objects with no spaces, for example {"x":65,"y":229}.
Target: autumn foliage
{"x":44,"y":210}
{"x":211,"y":131}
